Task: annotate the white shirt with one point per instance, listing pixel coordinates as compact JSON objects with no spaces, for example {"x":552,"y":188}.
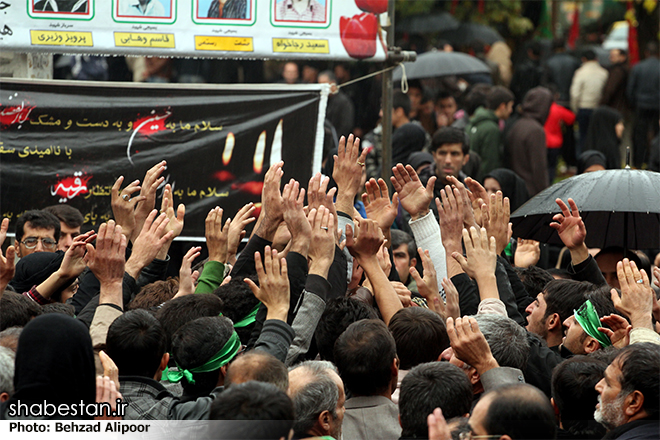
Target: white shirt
{"x":132,"y":7}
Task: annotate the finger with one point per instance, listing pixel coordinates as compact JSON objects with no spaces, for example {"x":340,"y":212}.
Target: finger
{"x":460,"y":259}
{"x":416,"y":276}
{"x":383,"y":189}
{"x":574,"y":208}
{"x":253,"y":287}
{"x":563,"y":207}
{"x":268,"y":260}
{"x":99,"y":388}
{"x":645,"y":279}
{"x":116,"y":186}
{"x":616,"y":300}
{"x":283,"y":269}
{"x":341,"y":148}
{"x":259,"y":267}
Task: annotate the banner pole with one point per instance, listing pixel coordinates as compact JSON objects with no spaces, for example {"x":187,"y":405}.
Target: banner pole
{"x":386,"y":170}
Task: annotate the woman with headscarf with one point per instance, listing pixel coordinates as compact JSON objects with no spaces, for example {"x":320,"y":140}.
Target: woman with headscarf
{"x":511,"y":185}
{"x":604,"y":135}
{"x":590,"y":161}
{"x":55,"y":365}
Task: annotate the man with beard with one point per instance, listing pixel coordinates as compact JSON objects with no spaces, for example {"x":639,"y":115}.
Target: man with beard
{"x":629,"y":397}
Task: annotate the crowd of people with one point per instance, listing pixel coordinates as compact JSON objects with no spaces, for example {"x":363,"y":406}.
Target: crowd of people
{"x":344,"y":309}
{"x":331,"y":322}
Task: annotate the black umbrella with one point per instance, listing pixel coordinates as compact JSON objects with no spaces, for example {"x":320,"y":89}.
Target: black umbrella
{"x":436,"y":63}
{"x":618,"y":207}
{"x":468,"y":32}
{"x":427,"y":23}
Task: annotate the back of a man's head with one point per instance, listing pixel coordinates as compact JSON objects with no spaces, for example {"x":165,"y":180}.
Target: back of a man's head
{"x":507,"y":340}
{"x":9,"y":338}
{"x":420,"y":336}
{"x":640,"y":370}
{"x":401,"y":100}
{"x":429,"y":386}
{"x":497,"y":96}
{"x":534,"y":279}
{"x":179,"y":311}
{"x":256,"y":410}
{"x":136,"y":342}
{"x":17,"y":310}
{"x":574,"y":394}
{"x":520,"y":411}
{"x":339,"y":313}
{"x":589,"y":55}
{"x":68,"y":215}
{"x":237,"y":302}
{"x":564,"y":297}
{"x":260,"y":366}
{"x":37,"y":219}
{"x":154,"y":294}
{"x":7,"y":360}
{"x":364,"y":355}
{"x":312,"y":391}
{"x":197,"y":343}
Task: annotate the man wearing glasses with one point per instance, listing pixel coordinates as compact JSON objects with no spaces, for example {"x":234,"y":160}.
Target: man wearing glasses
{"x":36,"y":231}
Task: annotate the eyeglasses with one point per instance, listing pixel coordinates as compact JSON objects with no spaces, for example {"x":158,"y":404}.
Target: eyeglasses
{"x":469,"y":436}
{"x":32,"y":242}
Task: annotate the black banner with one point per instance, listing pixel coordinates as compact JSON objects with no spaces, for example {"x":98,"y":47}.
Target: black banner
{"x":67,"y":142}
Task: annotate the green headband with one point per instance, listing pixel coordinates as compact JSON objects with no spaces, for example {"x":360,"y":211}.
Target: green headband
{"x":221,"y":359}
{"x":588,"y":319}
{"x":249,"y":318}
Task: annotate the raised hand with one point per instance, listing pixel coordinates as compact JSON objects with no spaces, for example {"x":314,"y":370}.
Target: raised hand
{"x":294,"y":216}
{"x":150,"y":184}
{"x":452,"y":308}
{"x":496,"y":220}
{"x":167,"y":206}
{"x":106,"y":392}
{"x":438,"y":428}
{"x":187,"y":277}
{"x":273,"y":289}
{"x":469,"y":219}
{"x":123,"y":205}
{"x":148,"y":244}
{"x":322,"y":246}
{"x":469,"y":344}
{"x":110,"y":369}
{"x":7,"y":265}
{"x":347,"y":172}
{"x":216,"y":235}
{"x":414,"y":197}
{"x":428,"y":285}
{"x":237,"y":230}
{"x":377,"y":204}
{"x":528,"y":253}
{"x":272,"y":205}
{"x":107,"y":261}
{"x":637,"y":296}
{"x":367,"y":240}
{"x":481,"y":261}
{"x":571,"y":230}
{"x":618,"y":331}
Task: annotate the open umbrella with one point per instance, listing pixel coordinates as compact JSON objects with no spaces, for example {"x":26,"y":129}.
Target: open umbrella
{"x":468,"y":32}
{"x":618,"y":207}
{"x":427,"y":23}
{"x":435,"y":63}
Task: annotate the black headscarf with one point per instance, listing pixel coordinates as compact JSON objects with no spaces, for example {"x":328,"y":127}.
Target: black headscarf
{"x":54,"y":363}
{"x":34,"y":269}
{"x":590,"y":158}
{"x":513,"y":186}
{"x":602,"y":137}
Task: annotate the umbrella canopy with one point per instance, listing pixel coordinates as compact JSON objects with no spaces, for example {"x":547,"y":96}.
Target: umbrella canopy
{"x":427,"y":23}
{"x":468,"y":32}
{"x":618,"y":207}
{"x":435,"y":63}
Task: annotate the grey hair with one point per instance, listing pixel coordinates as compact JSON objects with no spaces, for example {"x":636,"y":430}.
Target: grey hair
{"x":9,"y":337}
{"x":320,"y":394}
{"x":507,"y":340}
{"x":7,"y":357}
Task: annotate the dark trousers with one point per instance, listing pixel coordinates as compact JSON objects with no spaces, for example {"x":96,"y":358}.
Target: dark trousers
{"x":583,"y":117}
{"x":553,"y":157}
{"x":646,"y":120}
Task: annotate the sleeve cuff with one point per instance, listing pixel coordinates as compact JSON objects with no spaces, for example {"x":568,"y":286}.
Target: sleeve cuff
{"x":425,"y":227}
{"x":318,"y":285}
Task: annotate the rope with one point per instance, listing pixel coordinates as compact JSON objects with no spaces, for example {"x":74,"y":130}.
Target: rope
{"x":404,"y":78}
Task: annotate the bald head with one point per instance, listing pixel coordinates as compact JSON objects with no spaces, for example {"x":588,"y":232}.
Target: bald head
{"x":259,"y":366}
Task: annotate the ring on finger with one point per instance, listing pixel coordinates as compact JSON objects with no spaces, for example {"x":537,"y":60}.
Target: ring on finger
{"x":360,"y":163}
{"x":325,"y":228}
{"x":640,"y":281}
{"x":126,"y":197}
